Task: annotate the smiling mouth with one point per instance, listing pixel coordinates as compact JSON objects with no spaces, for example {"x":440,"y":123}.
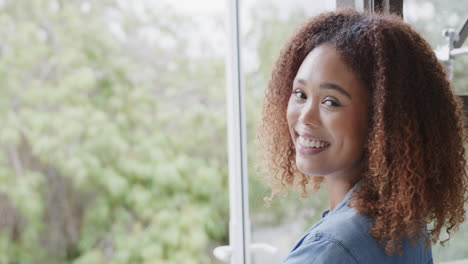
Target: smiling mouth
{"x":312,"y":142}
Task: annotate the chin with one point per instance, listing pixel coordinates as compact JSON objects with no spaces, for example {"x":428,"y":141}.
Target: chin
{"x":311,"y":172}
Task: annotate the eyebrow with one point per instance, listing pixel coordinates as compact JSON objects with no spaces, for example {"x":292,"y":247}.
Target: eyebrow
{"x":330,"y":86}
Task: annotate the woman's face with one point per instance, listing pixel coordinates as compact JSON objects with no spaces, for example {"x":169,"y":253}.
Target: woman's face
{"x":327,"y":115}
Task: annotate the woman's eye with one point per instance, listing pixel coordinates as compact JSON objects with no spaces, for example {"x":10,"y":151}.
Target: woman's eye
{"x":330,"y":103}
{"x":299,"y":94}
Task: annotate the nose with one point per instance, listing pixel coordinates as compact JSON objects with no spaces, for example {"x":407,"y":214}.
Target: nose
{"x":310,"y":114}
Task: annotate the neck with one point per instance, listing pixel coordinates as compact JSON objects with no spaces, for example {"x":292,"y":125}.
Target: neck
{"x":339,"y":186}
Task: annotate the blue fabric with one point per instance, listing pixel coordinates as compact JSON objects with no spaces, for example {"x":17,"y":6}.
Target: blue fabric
{"x":342,"y":236}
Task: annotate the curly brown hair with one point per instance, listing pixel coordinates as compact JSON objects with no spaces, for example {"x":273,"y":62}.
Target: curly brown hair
{"x":415,"y":168}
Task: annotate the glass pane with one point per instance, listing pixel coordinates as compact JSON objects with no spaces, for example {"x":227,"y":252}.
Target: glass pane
{"x":430,"y":18}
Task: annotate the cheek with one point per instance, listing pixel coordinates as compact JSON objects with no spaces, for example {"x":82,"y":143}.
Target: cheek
{"x":349,"y":131}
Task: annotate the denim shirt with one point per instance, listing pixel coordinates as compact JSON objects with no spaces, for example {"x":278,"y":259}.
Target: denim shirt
{"x":343,"y":236}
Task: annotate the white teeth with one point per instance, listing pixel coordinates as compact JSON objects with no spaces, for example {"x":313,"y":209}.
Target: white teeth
{"x":311,"y":143}
{"x":303,"y":141}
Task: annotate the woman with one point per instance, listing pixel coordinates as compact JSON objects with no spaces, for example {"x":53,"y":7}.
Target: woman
{"x":360,"y":102}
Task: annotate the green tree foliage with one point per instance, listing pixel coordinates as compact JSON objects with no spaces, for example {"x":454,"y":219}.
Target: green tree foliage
{"x":107,"y":137}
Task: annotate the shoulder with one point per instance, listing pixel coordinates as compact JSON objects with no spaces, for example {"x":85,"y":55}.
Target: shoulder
{"x":350,"y":231}
{"x":331,"y":241}
{"x":347,"y":226}
{"x":320,"y":249}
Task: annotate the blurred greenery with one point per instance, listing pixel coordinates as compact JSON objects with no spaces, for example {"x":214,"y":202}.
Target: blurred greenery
{"x":107,"y":138}
{"x":113,"y":144}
